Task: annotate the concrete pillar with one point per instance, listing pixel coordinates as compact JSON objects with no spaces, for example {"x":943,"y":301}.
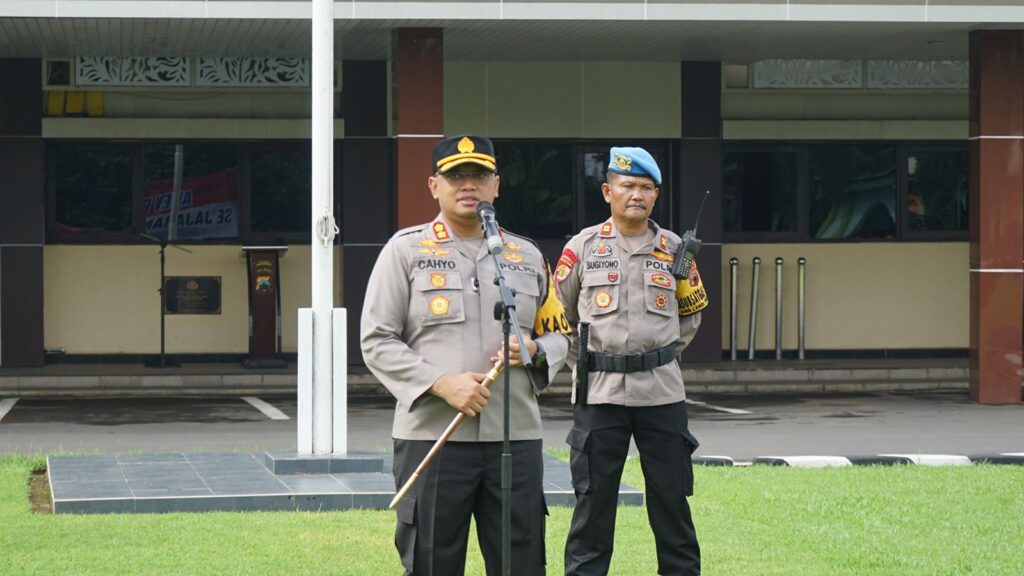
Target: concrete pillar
{"x":418,"y":111}
{"x":22,"y":216}
{"x":701,"y":170}
{"x":997,"y":215}
{"x":367,"y":201}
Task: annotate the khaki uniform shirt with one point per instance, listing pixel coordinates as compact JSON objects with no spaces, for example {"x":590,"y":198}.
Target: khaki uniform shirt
{"x":628,"y":297}
{"x":429,"y":311}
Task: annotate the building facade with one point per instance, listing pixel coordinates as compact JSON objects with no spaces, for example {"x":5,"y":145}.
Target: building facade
{"x":879,"y":141}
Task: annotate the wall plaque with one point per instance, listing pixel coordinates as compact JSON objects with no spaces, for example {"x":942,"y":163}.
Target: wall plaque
{"x":192,"y":295}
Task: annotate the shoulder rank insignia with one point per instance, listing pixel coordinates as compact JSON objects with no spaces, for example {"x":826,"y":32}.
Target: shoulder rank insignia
{"x":565,"y":264}
{"x":606,"y":230}
{"x":663,"y":243}
{"x":441,"y":232}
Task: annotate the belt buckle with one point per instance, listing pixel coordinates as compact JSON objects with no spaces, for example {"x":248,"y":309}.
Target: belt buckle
{"x":634,"y":362}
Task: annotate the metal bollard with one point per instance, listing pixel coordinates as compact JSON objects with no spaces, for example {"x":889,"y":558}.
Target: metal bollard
{"x":733,"y":265}
{"x":801,"y":290}
{"x":778,"y":308}
{"x":751,"y":339}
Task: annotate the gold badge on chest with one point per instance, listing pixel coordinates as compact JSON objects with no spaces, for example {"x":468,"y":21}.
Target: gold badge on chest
{"x":512,"y":257}
{"x":603,"y":299}
{"x":439,"y":305}
{"x":438,"y":280}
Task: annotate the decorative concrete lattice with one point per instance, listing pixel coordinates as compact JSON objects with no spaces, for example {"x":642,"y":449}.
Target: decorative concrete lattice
{"x":915,"y":74}
{"x":253,"y":72}
{"x":132,"y":71}
{"x":808,"y":74}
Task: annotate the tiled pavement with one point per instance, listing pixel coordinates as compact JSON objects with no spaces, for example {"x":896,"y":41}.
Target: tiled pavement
{"x":237,"y":481}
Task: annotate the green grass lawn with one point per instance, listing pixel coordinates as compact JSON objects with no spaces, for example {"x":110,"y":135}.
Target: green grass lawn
{"x":761,"y":520}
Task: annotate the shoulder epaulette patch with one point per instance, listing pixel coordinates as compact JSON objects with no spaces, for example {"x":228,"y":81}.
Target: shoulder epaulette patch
{"x":606,"y":229}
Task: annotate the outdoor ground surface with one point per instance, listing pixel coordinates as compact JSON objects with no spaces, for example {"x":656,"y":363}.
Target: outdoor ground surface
{"x":752,"y":520}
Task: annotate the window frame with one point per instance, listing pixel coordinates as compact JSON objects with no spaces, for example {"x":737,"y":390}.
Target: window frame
{"x":903,"y":222}
{"x":136,"y":149}
{"x":669,"y":188}
{"x":132,"y":235}
{"x":902,"y":234}
{"x":801,"y":233}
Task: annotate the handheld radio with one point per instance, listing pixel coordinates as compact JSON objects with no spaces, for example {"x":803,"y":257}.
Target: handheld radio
{"x":691,"y":245}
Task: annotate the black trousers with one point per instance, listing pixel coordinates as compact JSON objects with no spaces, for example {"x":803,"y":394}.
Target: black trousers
{"x":465,"y":480}
{"x":599,"y":443}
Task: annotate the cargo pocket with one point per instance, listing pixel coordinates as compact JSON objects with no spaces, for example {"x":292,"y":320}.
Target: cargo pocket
{"x":579,"y":459}
{"x":601,"y":291}
{"x":690,"y":445}
{"x":527,"y":293}
{"x":659,"y":294}
{"x":437,"y":297}
{"x":405,"y":532}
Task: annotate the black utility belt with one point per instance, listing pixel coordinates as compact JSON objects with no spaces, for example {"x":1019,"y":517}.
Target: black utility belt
{"x":600,"y":362}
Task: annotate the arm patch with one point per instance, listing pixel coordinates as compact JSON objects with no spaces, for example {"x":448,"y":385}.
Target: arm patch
{"x":551,"y":314}
{"x":690,"y":293}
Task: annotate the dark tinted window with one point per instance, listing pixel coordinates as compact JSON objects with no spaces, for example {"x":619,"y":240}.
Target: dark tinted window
{"x":535,"y":198}
{"x":595,"y":169}
{"x":759,"y":190}
{"x":852,"y":191}
{"x":93,"y":189}
{"x":937,"y":190}
{"x":210,"y":189}
{"x":281,"y":197}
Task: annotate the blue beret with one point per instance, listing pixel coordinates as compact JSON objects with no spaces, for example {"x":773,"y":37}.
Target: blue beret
{"x":634,"y":162}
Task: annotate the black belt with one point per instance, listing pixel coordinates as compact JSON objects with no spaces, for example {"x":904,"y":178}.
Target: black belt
{"x":600,"y":362}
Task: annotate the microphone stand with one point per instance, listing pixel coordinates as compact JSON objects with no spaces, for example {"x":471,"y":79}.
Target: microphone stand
{"x":163,"y":361}
{"x":506,"y":312}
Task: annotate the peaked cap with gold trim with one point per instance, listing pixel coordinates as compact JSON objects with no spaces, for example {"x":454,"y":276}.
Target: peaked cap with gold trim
{"x":464,"y":149}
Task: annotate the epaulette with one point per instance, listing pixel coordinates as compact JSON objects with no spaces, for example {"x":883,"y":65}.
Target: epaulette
{"x":410,"y":230}
{"x":506,"y":235}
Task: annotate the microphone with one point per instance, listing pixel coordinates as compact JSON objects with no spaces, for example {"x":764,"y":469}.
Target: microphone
{"x":485,"y":212}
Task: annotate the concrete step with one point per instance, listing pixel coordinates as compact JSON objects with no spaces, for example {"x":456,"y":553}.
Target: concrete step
{"x":783,"y":376}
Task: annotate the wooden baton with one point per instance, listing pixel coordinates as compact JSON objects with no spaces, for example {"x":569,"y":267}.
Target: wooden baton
{"x":492,"y":375}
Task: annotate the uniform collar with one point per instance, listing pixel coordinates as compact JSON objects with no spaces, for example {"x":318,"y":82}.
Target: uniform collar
{"x":661,"y":240}
{"x":439,"y":230}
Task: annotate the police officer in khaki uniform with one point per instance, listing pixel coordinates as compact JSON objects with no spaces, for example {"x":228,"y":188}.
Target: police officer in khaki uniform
{"x":617,"y":277}
{"x":429,"y":335}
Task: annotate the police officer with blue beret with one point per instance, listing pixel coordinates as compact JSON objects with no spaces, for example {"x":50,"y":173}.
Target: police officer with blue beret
{"x":616,"y":277}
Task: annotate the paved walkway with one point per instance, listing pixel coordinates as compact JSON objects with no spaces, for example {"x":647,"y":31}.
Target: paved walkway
{"x":241,"y":481}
